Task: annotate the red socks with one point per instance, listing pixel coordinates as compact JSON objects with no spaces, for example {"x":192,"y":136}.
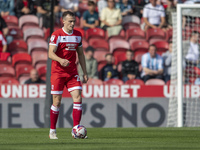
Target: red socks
{"x":77,"y":113}
{"x":54,"y":112}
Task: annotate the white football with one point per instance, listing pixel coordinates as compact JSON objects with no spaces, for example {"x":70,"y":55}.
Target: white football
{"x":79,"y":132}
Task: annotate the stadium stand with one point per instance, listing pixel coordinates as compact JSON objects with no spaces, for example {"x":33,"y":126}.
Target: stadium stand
{"x":135,"y":82}
{"x":153,"y":35}
{"x":21,"y":59}
{"x":162,"y":46}
{"x":141,"y":46}
{"x":11,"y":20}
{"x":8,"y":80}
{"x":132,"y":21}
{"x":114,"y":81}
{"x":33,"y":33}
{"x":95,"y":82}
{"x":100,"y":55}
{"x":95,"y":33}
{"x":28,"y":20}
{"x":6,"y":70}
{"x":37,"y":45}
{"x":135,"y":33}
{"x":39,"y":58}
{"x":23,"y":73}
{"x":99,"y":44}
{"x":17,"y":46}
{"x":15,"y":32}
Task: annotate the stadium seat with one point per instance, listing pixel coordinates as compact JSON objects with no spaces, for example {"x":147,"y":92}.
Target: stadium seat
{"x":118,"y":44}
{"x":37,"y":45}
{"x":139,"y":46}
{"x":99,"y":44}
{"x":42,"y":71}
{"x":95,"y":32}
{"x":26,"y":27}
{"x":155,"y":34}
{"x":95,"y":82}
{"x":6,"y":70}
{"x":11,"y":20}
{"x":119,"y":55}
{"x":138,"y":56}
{"x":17,"y":46}
{"x":100,"y":55}
{"x":4,"y":58}
{"x":133,"y":20}
{"x":135,"y":82}
{"x":121,"y":35}
{"x":169,"y":34}
{"x":155,"y":82}
{"x":135,"y":33}
{"x":85,"y":44}
{"x":15,"y":32}
{"x":114,"y":81}
{"x":23,"y":71}
{"x":82,"y":7}
{"x":21,"y":59}
{"x":80,"y":30}
{"x":8,"y":80}
{"x":28,"y":20}
{"x":162,"y":46}
{"x":39,"y":57}
{"x":101,"y":64}
{"x":33,"y":33}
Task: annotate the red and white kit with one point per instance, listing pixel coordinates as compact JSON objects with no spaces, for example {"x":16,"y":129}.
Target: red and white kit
{"x":66,"y":49}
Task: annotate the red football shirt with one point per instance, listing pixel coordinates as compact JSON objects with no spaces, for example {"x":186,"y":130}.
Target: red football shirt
{"x":67,"y":45}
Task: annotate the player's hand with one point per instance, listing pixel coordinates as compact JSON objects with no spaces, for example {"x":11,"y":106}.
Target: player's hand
{"x":85,"y":78}
{"x":64,"y":62}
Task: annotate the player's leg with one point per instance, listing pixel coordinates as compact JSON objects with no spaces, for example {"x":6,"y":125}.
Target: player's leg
{"x":77,"y":106}
{"x":57,"y":86}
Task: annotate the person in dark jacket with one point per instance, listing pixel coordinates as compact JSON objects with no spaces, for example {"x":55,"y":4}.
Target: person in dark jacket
{"x":24,"y":7}
{"x":34,"y":78}
{"x":109,"y":71}
{"x":130,"y":68}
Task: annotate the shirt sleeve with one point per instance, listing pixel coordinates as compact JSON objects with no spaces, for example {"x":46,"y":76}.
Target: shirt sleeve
{"x":160,"y":63}
{"x":54,"y":40}
{"x":145,"y":13}
{"x":120,"y":15}
{"x":162,"y":12}
{"x":144,"y":61}
{"x":103,"y":14}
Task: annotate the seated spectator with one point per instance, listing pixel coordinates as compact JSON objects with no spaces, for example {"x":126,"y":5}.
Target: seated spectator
{"x":152,"y":65}
{"x":170,"y":9}
{"x":118,"y":4}
{"x":153,"y":15}
{"x":90,"y":17}
{"x":111,"y":19}
{"x":4,"y":29}
{"x":70,"y":5}
{"x":7,"y":7}
{"x":3,"y":43}
{"x":192,"y":46}
{"x":24,"y":7}
{"x":129,"y":67}
{"x":101,"y":4}
{"x":91,"y":64}
{"x":167,"y":60}
{"x":109,"y":71}
{"x":44,"y":11}
{"x":34,"y":78}
{"x":126,"y":8}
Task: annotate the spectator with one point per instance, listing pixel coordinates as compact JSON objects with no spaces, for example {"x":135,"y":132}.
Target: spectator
{"x":91,"y":64}
{"x":111,"y":19}
{"x":109,"y":70}
{"x":152,"y":65}
{"x":129,"y":67}
{"x":3,"y":43}
{"x":71,"y":5}
{"x":170,"y":9}
{"x":101,"y":4}
{"x":4,"y":29}
{"x":24,"y":7}
{"x":126,"y":8}
{"x":90,"y":17}
{"x":139,"y":7}
{"x":154,"y":15}
{"x":44,"y":11}
{"x":7,"y":7}
{"x":118,"y":4}
{"x":34,"y":78}
{"x":167,"y":60}
{"x":192,"y":46}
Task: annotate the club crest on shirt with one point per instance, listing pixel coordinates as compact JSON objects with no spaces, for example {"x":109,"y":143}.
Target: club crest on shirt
{"x":52,"y":38}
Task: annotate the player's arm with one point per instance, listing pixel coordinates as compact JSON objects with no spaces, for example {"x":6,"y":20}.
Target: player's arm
{"x":81,"y":58}
{"x":53,"y":56}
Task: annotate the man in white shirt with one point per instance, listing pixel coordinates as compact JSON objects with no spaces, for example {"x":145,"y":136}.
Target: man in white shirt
{"x":193,"y":49}
{"x":71,"y":5}
{"x":153,"y":15}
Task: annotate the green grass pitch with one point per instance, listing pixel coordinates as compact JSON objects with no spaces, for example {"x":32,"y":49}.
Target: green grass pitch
{"x":102,"y":139}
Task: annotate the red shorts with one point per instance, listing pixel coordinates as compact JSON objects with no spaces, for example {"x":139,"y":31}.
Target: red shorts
{"x":72,"y":82}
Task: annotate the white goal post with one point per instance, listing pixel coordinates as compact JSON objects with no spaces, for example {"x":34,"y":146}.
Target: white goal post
{"x":179,"y":106}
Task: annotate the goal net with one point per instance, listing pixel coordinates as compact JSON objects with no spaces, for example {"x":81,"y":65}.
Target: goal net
{"x":184,"y":103}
